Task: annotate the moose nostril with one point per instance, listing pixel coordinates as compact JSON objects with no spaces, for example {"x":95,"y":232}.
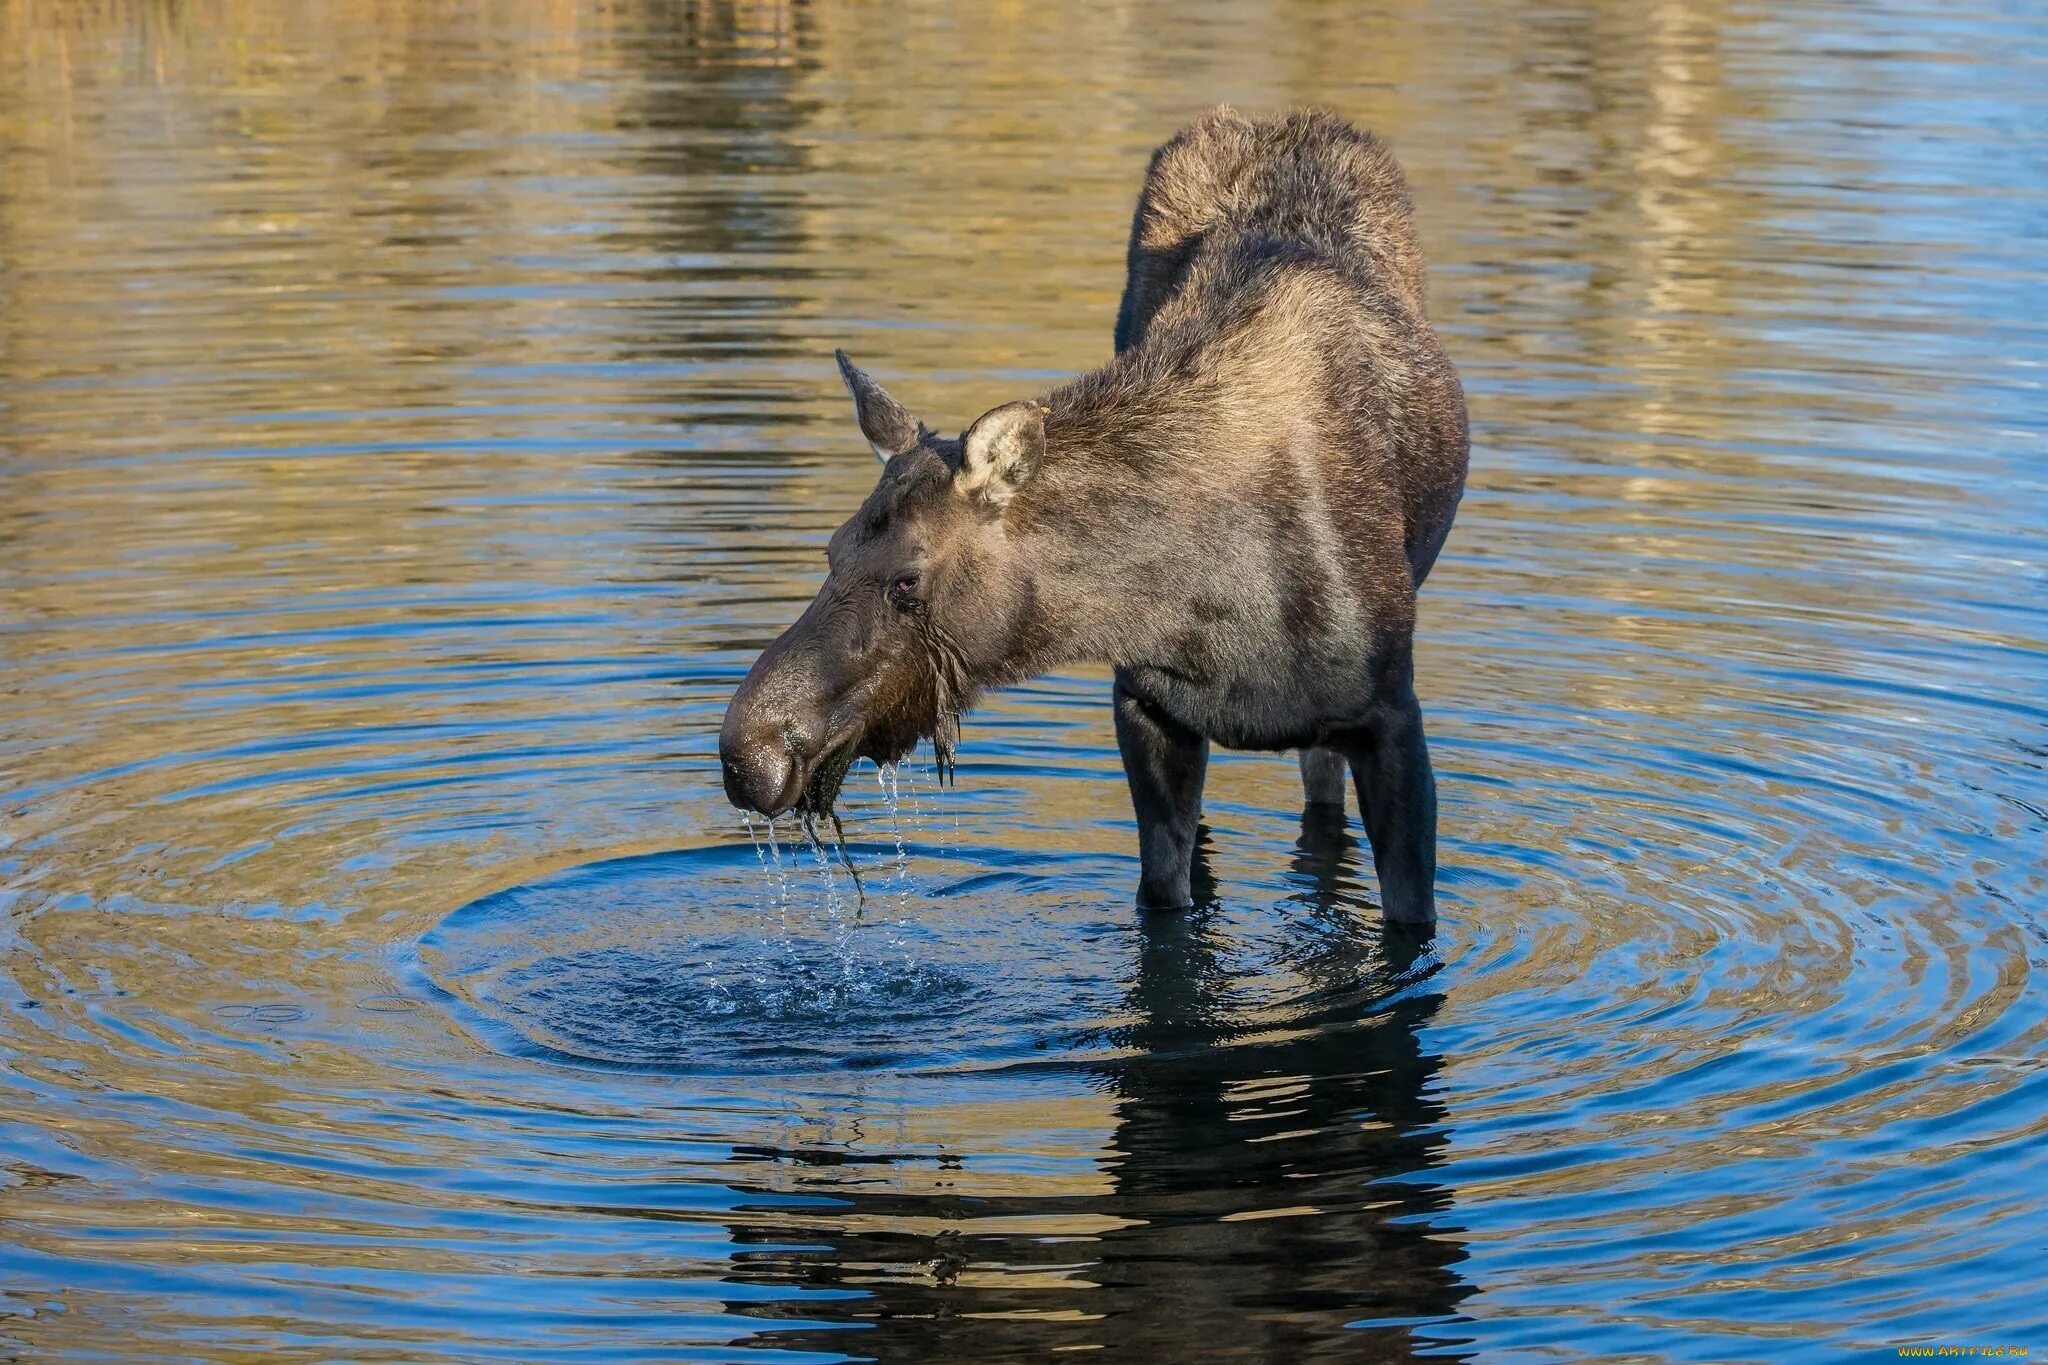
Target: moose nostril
{"x":767,"y":740}
{"x":758,"y":776}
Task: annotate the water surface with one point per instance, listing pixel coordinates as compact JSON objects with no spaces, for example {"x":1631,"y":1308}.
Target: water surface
{"x":413,"y":418}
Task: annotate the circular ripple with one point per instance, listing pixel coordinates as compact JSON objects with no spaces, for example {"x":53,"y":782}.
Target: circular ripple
{"x":707,"y":961}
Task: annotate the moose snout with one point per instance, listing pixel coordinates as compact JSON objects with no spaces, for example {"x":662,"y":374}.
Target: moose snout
{"x":767,"y":745}
{"x":760,"y":775}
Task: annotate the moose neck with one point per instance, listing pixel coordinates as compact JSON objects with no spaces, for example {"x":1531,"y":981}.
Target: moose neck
{"x":1117,"y":534}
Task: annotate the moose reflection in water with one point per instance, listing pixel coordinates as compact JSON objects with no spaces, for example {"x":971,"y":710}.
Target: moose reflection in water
{"x":1265,"y":1191}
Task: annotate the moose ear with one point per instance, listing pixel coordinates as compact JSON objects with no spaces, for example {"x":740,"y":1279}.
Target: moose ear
{"x":1001,"y":451}
{"x":889,"y":427}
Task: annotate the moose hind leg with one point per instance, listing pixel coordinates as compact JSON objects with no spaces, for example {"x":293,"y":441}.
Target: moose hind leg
{"x":1165,"y":763}
{"x":1322,"y":777}
{"x":1397,"y":794}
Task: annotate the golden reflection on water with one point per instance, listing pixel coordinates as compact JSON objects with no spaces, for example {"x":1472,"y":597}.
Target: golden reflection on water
{"x":269,"y":225}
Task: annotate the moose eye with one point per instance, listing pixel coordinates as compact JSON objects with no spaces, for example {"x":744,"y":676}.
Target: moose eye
{"x":903,"y":592}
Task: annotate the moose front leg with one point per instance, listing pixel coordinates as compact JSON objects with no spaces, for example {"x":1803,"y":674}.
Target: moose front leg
{"x":1165,"y":763}
{"x":1397,"y":794}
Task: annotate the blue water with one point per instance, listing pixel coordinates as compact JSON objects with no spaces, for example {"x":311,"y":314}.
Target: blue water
{"x":413,"y":420}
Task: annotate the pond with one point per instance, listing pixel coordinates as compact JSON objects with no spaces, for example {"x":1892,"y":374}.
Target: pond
{"x":414,"y":419}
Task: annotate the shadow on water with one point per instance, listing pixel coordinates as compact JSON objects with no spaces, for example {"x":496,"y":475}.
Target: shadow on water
{"x":1265,"y":1189}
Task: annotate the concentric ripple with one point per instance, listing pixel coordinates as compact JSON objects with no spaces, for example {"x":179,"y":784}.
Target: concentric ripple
{"x":700,"y":963}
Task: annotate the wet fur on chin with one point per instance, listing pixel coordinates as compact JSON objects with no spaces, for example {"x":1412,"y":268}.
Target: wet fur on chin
{"x":929,"y":709}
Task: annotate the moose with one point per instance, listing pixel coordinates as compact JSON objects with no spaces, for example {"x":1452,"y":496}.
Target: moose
{"x":1234,"y":513}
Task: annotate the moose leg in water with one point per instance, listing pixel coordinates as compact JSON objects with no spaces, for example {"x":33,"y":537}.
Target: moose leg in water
{"x":1165,"y":763}
{"x":1322,"y":778}
{"x":1397,"y":796}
